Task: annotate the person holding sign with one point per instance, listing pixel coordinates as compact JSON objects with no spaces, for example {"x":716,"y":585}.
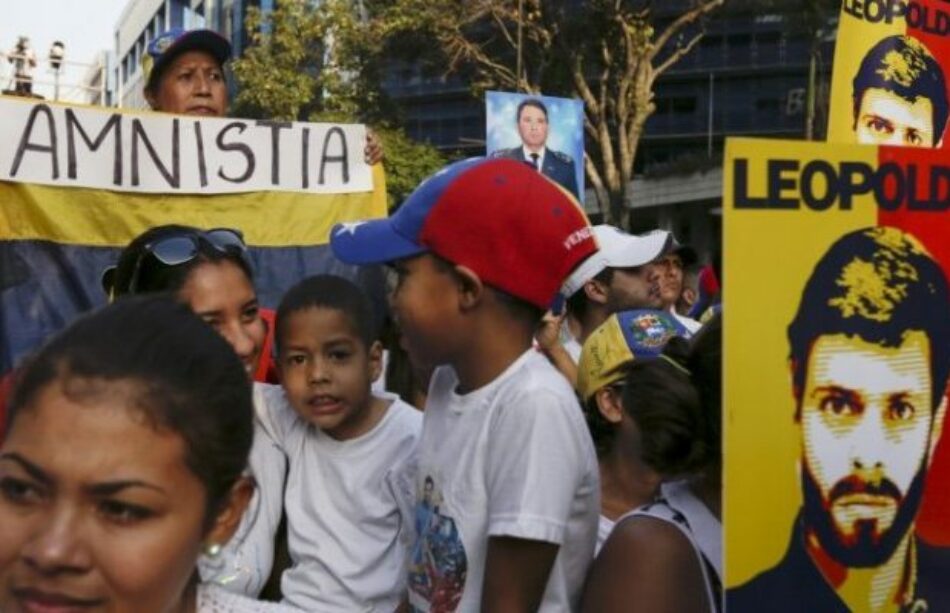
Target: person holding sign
{"x":532,"y":120}
{"x":900,"y":95}
{"x":185,"y":75}
{"x":869,"y":366}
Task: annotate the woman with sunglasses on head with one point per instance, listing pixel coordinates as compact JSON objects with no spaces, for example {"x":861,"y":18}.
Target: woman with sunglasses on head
{"x":209,"y":272}
{"x":129,"y":435}
{"x":184,"y":74}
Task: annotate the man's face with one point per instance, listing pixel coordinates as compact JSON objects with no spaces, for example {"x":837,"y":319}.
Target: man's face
{"x":885,"y":118}
{"x":866,"y":423}
{"x":669,"y":269}
{"x":533,"y":127}
{"x":637,"y":287}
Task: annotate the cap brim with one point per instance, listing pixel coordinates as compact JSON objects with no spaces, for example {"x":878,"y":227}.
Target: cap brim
{"x":644,"y":250}
{"x":371,"y":242}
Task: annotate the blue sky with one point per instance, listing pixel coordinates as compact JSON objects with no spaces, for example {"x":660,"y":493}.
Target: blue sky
{"x":84,"y":26}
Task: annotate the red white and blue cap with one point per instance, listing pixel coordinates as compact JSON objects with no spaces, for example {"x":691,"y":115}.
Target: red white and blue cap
{"x":170,"y":43}
{"x":517,"y":230}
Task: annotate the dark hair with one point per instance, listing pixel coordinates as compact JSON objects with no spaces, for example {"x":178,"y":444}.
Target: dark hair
{"x":531,"y":102}
{"x":155,"y":276}
{"x":602,"y":432}
{"x":660,"y":398}
{"x":705,"y":366}
{"x":188,"y":380}
{"x":578,"y":303}
{"x":903,"y":65}
{"x":328,"y":292}
{"x":876,"y":284}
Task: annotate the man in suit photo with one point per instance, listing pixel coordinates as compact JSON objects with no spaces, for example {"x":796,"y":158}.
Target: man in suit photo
{"x":532,"y":119}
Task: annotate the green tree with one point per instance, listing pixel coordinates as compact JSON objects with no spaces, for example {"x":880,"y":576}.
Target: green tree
{"x":322,"y":62}
{"x":608,"y":53}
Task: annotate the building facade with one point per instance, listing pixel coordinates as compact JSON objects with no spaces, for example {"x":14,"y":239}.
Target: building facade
{"x":143,"y":20}
{"x":748,"y":76}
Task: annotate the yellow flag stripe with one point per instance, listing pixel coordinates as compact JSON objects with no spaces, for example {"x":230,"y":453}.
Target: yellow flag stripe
{"x":105,"y":218}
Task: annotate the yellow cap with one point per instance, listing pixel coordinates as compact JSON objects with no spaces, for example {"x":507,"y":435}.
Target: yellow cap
{"x":624,"y":337}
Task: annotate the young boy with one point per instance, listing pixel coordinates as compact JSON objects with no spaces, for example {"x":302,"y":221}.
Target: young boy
{"x":507,"y":489}
{"x":349,"y":491}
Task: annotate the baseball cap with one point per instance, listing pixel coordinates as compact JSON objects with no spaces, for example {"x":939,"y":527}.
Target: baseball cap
{"x":618,"y":249}
{"x":623,"y":338}
{"x":169,"y":44}
{"x":516,"y":229}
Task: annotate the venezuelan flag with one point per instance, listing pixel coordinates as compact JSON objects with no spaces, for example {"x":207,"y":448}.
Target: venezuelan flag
{"x":78,"y":183}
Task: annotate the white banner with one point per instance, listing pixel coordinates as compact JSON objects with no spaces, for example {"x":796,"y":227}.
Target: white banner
{"x":52,"y":144}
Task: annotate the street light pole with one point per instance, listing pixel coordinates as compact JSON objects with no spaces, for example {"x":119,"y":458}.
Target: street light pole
{"x":56,"y":54}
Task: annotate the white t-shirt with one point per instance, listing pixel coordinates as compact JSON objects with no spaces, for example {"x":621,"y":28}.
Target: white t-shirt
{"x":244,"y":563}
{"x":212,"y":598}
{"x":692,"y":326}
{"x":513,"y":458}
{"x":349,"y":508}
{"x":605,"y":526}
{"x":570,"y":342}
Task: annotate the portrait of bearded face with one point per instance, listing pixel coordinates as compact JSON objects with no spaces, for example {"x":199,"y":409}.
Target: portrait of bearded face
{"x":869,"y":372}
{"x":866,"y":425}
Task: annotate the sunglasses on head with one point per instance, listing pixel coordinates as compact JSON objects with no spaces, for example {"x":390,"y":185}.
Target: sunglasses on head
{"x":181,"y":248}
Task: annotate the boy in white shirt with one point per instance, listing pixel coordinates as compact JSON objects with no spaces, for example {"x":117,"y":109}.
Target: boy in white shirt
{"x":349,"y":490}
{"x":507,"y":487}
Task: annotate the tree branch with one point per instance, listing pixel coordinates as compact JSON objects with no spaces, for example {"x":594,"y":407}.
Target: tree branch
{"x":681,"y":22}
{"x":676,"y":55}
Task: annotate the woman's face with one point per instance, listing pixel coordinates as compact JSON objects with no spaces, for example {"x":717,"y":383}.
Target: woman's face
{"x":193,"y":84}
{"x":221,"y":294}
{"x":98,"y":510}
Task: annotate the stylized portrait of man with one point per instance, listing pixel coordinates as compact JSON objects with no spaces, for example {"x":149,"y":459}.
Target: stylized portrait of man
{"x":869,"y":365}
{"x":532,"y":118}
{"x":900,"y":95}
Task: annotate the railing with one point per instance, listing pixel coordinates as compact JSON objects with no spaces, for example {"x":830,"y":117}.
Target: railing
{"x":62,"y":88}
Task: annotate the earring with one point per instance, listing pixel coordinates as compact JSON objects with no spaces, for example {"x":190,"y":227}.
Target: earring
{"x":212,"y":550}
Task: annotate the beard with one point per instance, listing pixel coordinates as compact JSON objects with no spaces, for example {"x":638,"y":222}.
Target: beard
{"x":867,"y":547}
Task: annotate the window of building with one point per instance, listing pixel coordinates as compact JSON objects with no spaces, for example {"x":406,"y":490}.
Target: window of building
{"x":678,"y":105}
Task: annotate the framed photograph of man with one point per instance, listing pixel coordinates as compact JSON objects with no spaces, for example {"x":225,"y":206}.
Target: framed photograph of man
{"x":891,"y":74}
{"x":543,"y":131}
{"x":836,"y":361}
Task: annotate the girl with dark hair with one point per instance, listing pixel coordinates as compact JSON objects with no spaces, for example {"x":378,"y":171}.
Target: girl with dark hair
{"x":624,"y":339}
{"x":128,"y":437}
{"x":208,"y":271}
{"x":667,"y":554}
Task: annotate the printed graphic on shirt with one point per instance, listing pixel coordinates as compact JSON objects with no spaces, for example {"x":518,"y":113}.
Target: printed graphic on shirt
{"x":437,"y":566}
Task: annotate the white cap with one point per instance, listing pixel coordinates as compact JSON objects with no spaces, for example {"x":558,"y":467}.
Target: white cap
{"x":617,"y":250}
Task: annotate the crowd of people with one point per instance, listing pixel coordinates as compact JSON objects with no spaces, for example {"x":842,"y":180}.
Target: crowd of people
{"x":553,"y":443}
